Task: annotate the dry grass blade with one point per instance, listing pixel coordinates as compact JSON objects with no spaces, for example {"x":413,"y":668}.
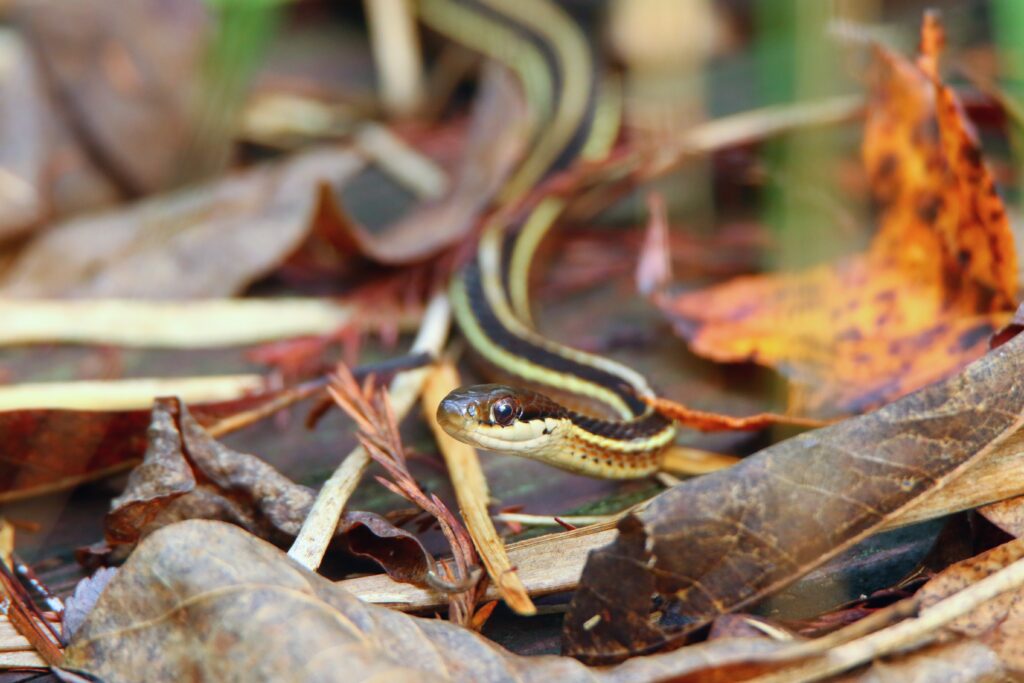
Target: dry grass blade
{"x":178,"y":324}
{"x":548,"y":564}
{"x":396,"y":51}
{"x":127,"y":394}
{"x":378,"y":433}
{"x":471,"y":491}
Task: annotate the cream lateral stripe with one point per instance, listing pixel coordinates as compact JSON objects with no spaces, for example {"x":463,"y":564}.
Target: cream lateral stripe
{"x":471,"y":491}
{"x":176,"y":324}
{"x":619,"y":445}
{"x":126,"y":394}
{"x":500,"y":44}
{"x":607,"y":120}
{"x":490,"y":273}
{"x":519,"y":365}
{"x":536,"y":226}
{"x":564,"y":37}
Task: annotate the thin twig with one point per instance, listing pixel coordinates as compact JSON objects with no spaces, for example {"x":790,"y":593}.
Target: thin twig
{"x":552,"y":520}
{"x":293,"y":395}
{"x":378,"y":432}
{"x":318,"y":528}
{"x":907,"y":634}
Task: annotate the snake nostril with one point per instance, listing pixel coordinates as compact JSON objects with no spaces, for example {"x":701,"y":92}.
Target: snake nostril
{"x":448,"y":407}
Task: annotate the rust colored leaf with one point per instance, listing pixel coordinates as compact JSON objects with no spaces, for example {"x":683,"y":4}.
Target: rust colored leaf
{"x":186,"y":474}
{"x":46,"y":450}
{"x":496,"y":138}
{"x":716,"y":544}
{"x":207,"y":601}
{"x":173,"y":246}
{"x":938,"y":279}
{"x":716,"y":422}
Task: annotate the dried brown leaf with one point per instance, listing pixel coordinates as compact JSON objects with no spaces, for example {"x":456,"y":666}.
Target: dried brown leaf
{"x":86,"y":594}
{"x":22,"y":143}
{"x":495,"y":140}
{"x":186,"y":474}
{"x":173,"y":246}
{"x":205,"y":600}
{"x":126,"y":76}
{"x":712,"y":545}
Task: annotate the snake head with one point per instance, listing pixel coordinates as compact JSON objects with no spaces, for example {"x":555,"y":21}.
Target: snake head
{"x":501,"y":418}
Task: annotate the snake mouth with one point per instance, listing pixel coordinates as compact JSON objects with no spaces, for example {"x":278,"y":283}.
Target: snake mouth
{"x":463,"y":415}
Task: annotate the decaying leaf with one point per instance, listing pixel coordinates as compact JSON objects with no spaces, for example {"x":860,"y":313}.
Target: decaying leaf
{"x":22,"y":145}
{"x":937,"y":281}
{"x":46,"y":450}
{"x":186,"y":474}
{"x":496,"y":138}
{"x":966,"y":620}
{"x":87,"y":592}
{"x":999,"y":623}
{"x":34,"y":140}
{"x":716,"y":544}
{"x":126,"y":77}
{"x":174,"y":246}
{"x":205,"y":600}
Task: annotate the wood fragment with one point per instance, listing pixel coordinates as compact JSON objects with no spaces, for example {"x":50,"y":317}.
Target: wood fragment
{"x":15,"y":650}
{"x":472,"y":493}
{"x":417,"y":173}
{"x":553,"y":563}
{"x":545,"y":565}
{"x":318,"y":529}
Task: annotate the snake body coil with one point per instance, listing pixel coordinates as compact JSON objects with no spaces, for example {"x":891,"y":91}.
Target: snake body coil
{"x":519,"y":421}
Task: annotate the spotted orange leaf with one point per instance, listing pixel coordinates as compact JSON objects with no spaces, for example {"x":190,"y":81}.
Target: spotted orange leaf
{"x":938,"y":278}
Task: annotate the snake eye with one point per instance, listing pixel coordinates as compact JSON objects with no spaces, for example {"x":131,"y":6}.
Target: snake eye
{"x":504,"y":412}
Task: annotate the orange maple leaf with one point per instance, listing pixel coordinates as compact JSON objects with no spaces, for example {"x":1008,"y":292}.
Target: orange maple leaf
{"x":938,"y":278}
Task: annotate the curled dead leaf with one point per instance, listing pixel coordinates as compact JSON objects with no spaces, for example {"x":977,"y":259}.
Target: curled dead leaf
{"x":186,"y":474}
{"x":205,"y":600}
{"x":715,"y":544}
